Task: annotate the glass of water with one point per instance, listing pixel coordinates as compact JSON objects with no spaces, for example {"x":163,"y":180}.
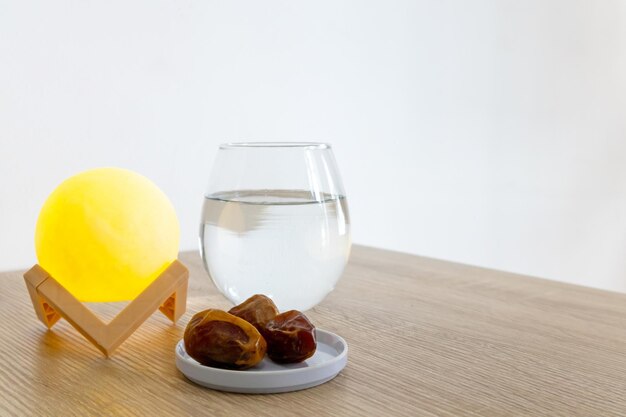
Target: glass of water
{"x":275,"y":222}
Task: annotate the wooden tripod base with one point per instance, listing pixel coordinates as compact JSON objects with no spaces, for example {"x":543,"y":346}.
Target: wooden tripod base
{"x":168,"y":293}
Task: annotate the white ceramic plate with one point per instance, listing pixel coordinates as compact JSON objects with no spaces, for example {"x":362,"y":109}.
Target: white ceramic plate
{"x":267,"y":377}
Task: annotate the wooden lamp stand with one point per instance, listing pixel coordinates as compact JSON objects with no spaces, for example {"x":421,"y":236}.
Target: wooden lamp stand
{"x":168,"y":293}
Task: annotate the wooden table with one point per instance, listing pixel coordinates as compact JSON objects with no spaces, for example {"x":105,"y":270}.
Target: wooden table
{"x":426,"y":338}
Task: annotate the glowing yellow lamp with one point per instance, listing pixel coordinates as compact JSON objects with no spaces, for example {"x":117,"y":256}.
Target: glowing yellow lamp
{"x":107,"y":234}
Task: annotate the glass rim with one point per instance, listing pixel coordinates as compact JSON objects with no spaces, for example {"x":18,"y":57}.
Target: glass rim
{"x":306,"y":145}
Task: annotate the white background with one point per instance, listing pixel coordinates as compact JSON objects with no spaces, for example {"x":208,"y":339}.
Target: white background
{"x":486,"y":132}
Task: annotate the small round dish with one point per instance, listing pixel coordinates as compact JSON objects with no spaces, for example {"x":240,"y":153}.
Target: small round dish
{"x":268,"y":377}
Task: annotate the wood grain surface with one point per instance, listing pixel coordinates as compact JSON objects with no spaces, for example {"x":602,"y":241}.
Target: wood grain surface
{"x":426,"y":337}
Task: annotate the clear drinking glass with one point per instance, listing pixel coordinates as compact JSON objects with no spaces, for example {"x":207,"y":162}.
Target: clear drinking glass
{"x":275,"y":222}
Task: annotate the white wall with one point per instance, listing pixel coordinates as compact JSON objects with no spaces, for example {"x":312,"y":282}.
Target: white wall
{"x":487,"y":132}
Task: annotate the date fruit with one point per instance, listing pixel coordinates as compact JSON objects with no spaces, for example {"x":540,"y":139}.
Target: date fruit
{"x":257,"y":310}
{"x":290,"y":337}
{"x":219,"y":339}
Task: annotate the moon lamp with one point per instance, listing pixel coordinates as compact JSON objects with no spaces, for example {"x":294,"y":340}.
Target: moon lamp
{"x":107,"y":235}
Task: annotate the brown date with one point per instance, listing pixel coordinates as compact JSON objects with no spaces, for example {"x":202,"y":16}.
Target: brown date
{"x":219,"y":339}
{"x":257,"y":310}
{"x":290,"y":337}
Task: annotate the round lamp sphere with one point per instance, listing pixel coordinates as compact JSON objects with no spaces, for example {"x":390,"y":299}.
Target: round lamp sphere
{"x":106,"y":234}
